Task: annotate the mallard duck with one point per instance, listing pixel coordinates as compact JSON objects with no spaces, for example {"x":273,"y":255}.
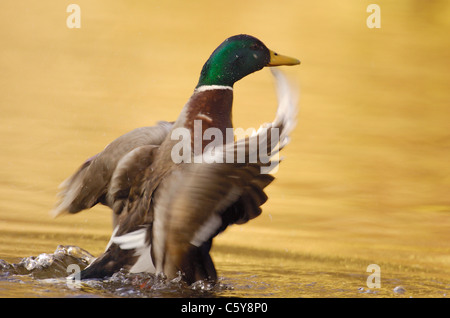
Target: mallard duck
{"x":166,"y":213}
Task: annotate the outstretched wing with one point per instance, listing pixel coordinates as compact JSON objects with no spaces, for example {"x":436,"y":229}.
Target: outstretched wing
{"x":192,"y":203}
{"x":90,"y":184}
{"x":197,"y":201}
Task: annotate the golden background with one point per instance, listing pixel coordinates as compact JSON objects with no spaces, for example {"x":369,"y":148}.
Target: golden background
{"x":365,"y":179}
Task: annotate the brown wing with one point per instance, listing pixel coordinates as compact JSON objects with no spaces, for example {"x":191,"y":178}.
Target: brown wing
{"x":89,"y":185}
{"x":177,"y":217}
{"x":197,"y":201}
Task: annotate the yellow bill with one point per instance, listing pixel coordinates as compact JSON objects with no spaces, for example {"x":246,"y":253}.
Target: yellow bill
{"x":277,"y":59}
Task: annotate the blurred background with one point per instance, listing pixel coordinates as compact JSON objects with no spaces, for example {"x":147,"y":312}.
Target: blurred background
{"x":365,"y":179}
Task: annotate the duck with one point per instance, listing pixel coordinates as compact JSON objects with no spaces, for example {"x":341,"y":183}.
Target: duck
{"x":167,"y":212}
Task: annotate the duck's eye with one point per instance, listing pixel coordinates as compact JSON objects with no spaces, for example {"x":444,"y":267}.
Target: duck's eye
{"x":254,"y":46}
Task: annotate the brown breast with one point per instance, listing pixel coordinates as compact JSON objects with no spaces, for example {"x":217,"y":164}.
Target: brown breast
{"x":209,"y":109}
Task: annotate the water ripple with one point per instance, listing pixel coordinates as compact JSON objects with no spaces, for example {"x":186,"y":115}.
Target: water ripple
{"x":51,"y":272}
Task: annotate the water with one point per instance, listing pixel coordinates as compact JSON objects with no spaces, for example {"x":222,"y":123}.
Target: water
{"x":48,"y":275}
{"x":365,"y":178}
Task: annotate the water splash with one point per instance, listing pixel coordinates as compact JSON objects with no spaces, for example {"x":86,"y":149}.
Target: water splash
{"x":49,"y":265}
{"x":50,"y":271}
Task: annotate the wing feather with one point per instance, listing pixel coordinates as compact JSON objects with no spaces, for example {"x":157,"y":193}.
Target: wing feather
{"x":89,"y":185}
{"x":193,"y":198}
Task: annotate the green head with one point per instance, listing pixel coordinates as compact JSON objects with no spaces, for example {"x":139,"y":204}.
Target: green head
{"x":239,"y":56}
